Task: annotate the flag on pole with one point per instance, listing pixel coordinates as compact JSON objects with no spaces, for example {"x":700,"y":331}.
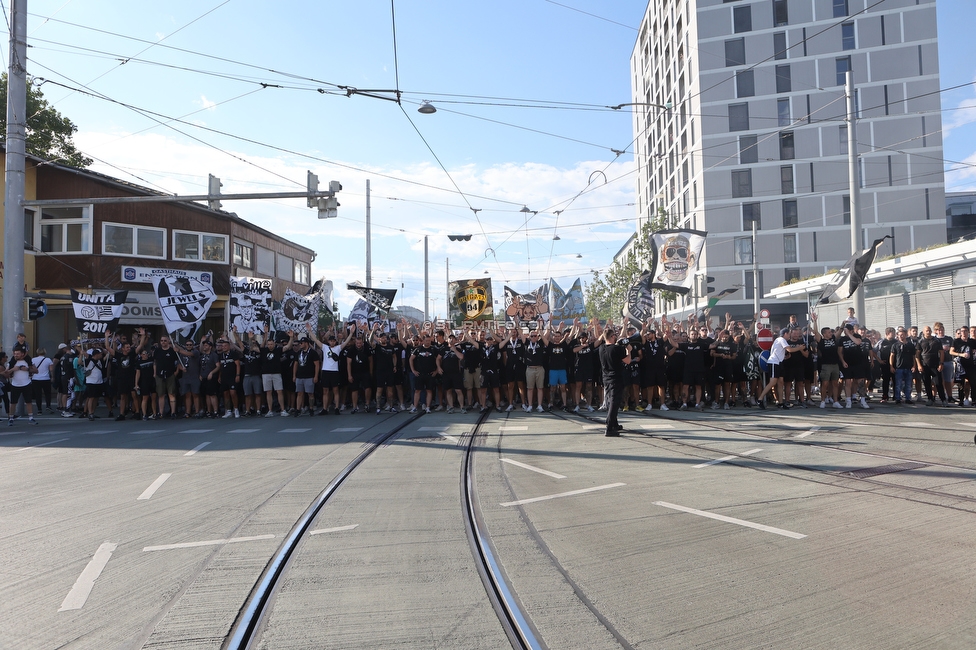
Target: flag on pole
{"x":184,"y":303}
{"x":675,"y":257}
{"x":639,"y":305}
{"x":470,"y":301}
{"x":852,"y":274}
{"x":566,"y":306}
{"x":382,"y":299}
{"x":97,"y":314}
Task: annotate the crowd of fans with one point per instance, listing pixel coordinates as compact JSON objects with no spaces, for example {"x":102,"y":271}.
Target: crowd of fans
{"x":389,"y":368}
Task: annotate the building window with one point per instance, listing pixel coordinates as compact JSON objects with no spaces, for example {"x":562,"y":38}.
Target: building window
{"x":302,"y":272}
{"x":783,"y":112}
{"x":741,"y":183}
{"x":28,"y":230}
{"x":742,"y":19}
{"x":842,"y":65}
{"x":786,"y":179}
{"x":781,"y":13}
{"x":735,"y":52}
{"x":784,"y":82}
{"x":779,"y":45}
{"x":786,"y":149}
{"x":843,"y":138}
{"x":745,"y":85}
{"x":790,"y":217}
{"x":847,"y":209}
{"x":847,"y":36}
{"x":243,"y":255}
{"x":840,"y":8}
{"x":751,"y":212}
{"x":266,"y":261}
{"x":743,"y":250}
{"x":738,"y":117}
{"x":789,"y":248}
{"x":66,"y":230}
{"x":141,"y":241}
{"x":748,"y":149}
{"x":286,"y":267}
{"x":791,"y":274}
{"x":199,"y":246}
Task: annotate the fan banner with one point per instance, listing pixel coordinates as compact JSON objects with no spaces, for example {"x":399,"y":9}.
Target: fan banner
{"x":675,"y":255}
{"x":639,"y":305}
{"x":363,"y":313}
{"x":382,"y":299}
{"x":297,"y":311}
{"x":184,"y":303}
{"x":470,"y":301}
{"x":97,"y":314}
{"x":250,"y":304}
{"x":566,"y":306}
{"x":527,"y":307}
{"x":852,"y":274}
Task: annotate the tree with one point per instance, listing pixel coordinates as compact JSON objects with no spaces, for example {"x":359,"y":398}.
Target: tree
{"x":606,"y":293}
{"x":48,"y":132}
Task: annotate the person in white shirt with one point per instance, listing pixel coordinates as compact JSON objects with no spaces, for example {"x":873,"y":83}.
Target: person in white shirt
{"x":18,"y":374}
{"x":330,"y":380}
{"x":41,"y":381}
{"x":777,"y":354}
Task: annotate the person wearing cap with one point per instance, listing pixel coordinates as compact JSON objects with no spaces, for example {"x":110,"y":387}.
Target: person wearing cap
{"x":424,"y":366}
{"x":330,"y":376}
{"x":305,"y":375}
{"x":385,"y":361}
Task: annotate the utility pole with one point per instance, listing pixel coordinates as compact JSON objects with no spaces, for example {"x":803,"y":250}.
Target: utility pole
{"x":15,"y":177}
{"x":855,"y":190}
{"x":369,"y":253}
{"x":426,"y":282}
{"x":755,"y":271}
{"x":447,"y":285}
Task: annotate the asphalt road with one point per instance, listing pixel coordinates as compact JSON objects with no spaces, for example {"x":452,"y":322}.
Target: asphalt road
{"x":730,"y":529}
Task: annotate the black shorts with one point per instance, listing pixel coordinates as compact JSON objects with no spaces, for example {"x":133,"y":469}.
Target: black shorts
{"x":94,"y":390}
{"x":693,"y":377}
{"x":362,"y":382}
{"x":424,"y":382}
{"x":126,"y":385}
{"x":329,"y":379}
{"x":16,"y":392}
{"x":860,"y":371}
{"x":387,"y":378}
{"x":490,"y":379}
{"x":209,"y":387}
{"x":452,"y":381}
{"x":724,"y":372}
{"x":227,"y":386}
{"x":775,"y":370}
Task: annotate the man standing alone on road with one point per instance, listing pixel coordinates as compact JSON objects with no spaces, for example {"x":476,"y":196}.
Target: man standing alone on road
{"x":613,"y":361}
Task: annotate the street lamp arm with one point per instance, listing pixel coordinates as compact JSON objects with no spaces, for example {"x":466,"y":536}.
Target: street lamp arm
{"x":666,"y":106}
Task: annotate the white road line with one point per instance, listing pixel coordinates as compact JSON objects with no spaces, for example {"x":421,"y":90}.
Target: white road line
{"x":969,"y":424}
{"x":594,"y":426}
{"x":143,"y":432}
{"x":294,"y":430}
{"x":563,"y":494}
{"x":86,"y":581}
{"x":347,"y":430}
{"x":912,"y":423}
{"x":447,"y":437}
{"x":725,"y":458}
{"x":209,"y":542}
{"x":531,"y":468}
{"x":196,"y":449}
{"x":731,"y":520}
{"x":437,"y":429}
{"x":151,"y":490}
{"x":513,"y":428}
{"x":811,"y":431}
{"x":662,"y":425}
{"x":49,"y":433}
{"x":100,"y":433}
{"x":43,"y":444}
{"x":242,"y":431}
{"x":321,"y":531}
{"x":196,"y":431}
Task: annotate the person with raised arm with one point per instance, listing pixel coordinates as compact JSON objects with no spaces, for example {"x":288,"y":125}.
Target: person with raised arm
{"x":330,"y":379}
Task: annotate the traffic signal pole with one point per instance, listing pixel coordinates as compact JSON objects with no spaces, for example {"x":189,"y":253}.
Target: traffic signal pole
{"x":15,"y":177}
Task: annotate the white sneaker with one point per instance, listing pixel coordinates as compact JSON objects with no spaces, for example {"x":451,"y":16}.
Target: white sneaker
{"x":510,"y":407}
{"x":237,"y":413}
{"x":413,"y":409}
{"x":284,"y":414}
{"x":526,"y":408}
{"x":864,"y":403}
{"x":664,"y":407}
{"x":576,"y":409}
{"x":838,"y":405}
{"x":228,"y":414}
{"x":590,"y":409}
{"x":823,"y":403}
{"x":269,"y":414}
{"x":967,"y":402}
{"x":847,"y":402}
{"x":539,"y":409}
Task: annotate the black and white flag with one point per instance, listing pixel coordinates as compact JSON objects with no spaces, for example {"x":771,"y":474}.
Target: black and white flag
{"x":97,"y":314}
{"x":184,"y":303}
{"x":297,"y":310}
{"x":382,"y":299}
{"x":639,"y":305}
{"x":676,"y":254}
{"x":852,"y":275}
{"x":250,"y":304}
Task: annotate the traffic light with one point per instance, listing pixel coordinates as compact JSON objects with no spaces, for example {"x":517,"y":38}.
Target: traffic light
{"x":213,"y":190}
{"x":313,"y":189}
{"x":708,"y":289}
{"x":459,"y":237}
{"x":328,"y":208}
{"x":36,"y":309}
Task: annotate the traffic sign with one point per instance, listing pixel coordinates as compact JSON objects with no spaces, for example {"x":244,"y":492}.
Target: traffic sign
{"x":763,"y":313}
{"x":764,"y":360}
{"x":765,"y":339}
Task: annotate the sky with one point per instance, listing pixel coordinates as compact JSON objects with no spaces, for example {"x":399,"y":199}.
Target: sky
{"x":164,"y":94}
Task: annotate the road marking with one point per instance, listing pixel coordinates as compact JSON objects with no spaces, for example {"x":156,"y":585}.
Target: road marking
{"x":447,"y":437}
{"x":86,"y":581}
{"x":531,"y":468}
{"x":594,"y":426}
{"x":438,"y":429}
{"x":347,"y":430}
{"x":916,"y":424}
{"x":294,"y":430}
{"x":725,"y":458}
{"x":242,"y":431}
{"x":196,"y":449}
{"x":321,"y":531}
{"x":731,"y":520}
{"x":811,"y":431}
{"x":563,"y":494}
{"x":196,"y":431}
{"x":513,"y":428}
{"x":100,"y":433}
{"x":143,"y":432}
{"x":662,"y":425}
{"x":151,"y":490}
{"x":209,"y":542}
{"x":43,"y":444}
{"x":49,"y":433}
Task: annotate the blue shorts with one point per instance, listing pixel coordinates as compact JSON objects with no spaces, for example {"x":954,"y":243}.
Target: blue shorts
{"x":557,"y":377}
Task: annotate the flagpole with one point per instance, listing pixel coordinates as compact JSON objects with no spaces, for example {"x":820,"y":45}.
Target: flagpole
{"x":855,"y":191}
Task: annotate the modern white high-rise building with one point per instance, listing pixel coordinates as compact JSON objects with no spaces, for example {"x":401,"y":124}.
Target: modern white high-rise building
{"x":740,"y":115}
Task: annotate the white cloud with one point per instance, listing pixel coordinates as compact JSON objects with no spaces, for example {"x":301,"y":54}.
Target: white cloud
{"x":207,"y":104}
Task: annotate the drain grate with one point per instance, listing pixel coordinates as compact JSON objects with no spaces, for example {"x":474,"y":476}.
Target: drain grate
{"x":884,"y":469}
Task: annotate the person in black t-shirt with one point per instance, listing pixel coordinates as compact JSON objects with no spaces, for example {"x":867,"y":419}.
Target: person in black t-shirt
{"x":230,"y":376}
{"x":695,"y":353}
{"x":126,"y":361}
{"x":305,"y":375}
{"x":930,"y":358}
{"x":449,"y":364}
{"x":491,"y":362}
{"x":165,"y":363}
{"x":724,"y":351}
{"x":359,"y":367}
{"x":614,"y":358}
{"x":385,"y":363}
{"x":424,"y":366}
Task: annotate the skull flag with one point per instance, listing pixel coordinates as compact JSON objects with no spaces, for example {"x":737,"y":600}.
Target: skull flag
{"x":675,"y":259}
{"x":471,"y":300}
